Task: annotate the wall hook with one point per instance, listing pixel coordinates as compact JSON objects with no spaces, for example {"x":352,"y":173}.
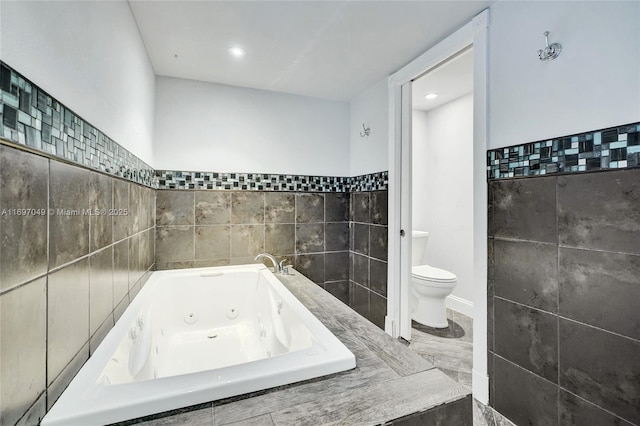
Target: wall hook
{"x":366,"y":131}
{"x":550,"y":52}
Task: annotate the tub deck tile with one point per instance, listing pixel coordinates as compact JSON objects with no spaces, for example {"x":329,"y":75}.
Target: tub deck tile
{"x":377,"y":403}
{"x":330,"y":311}
{"x":370,"y":369}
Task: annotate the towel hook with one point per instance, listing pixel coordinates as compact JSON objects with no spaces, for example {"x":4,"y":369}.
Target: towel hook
{"x":551,"y":51}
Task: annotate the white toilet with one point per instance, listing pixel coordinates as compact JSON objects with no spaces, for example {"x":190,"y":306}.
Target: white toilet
{"x":429,"y":286}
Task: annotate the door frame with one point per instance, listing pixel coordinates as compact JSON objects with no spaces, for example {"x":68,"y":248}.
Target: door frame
{"x":398,"y":319}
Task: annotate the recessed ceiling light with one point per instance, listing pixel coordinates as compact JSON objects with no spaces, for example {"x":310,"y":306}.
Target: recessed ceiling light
{"x":431,"y":96}
{"x":236,"y":52}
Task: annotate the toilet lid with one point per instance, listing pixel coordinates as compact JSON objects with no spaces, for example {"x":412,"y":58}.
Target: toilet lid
{"x":429,"y":273}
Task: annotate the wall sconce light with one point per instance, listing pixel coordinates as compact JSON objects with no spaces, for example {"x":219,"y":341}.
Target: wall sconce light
{"x":550,"y":52}
{"x":366,"y":131}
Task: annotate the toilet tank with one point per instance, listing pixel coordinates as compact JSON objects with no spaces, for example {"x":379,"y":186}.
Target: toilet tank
{"x":419,"y":247}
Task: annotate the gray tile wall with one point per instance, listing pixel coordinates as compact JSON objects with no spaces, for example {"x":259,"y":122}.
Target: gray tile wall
{"x":564,"y":285}
{"x":368,"y":255}
{"x":64,"y":278}
{"x":212,"y":228}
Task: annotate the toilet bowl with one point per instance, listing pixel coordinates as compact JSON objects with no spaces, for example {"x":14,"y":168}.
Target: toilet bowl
{"x":430,"y":286}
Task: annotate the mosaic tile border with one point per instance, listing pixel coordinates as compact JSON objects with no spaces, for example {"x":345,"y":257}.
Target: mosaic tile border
{"x":370,"y":182}
{"x":611,"y":148}
{"x":29,"y":116}
{"x":173,"y":179}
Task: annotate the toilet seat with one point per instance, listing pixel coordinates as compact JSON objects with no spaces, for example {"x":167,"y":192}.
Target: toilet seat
{"x":435,"y":277}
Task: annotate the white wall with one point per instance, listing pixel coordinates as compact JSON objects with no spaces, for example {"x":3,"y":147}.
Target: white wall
{"x":370,"y":154}
{"x":594,"y":83}
{"x":442,"y":199}
{"x":89,"y":56}
{"x":215,"y":127}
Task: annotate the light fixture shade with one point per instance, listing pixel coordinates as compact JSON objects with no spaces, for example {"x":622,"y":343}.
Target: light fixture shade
{"x":431,"y":96}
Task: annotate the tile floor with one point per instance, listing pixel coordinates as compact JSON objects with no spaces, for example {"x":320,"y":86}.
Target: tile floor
{"x":451,"y":351}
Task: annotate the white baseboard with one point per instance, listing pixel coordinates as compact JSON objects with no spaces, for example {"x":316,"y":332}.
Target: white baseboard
{"x":480,"y":386}
{"x":459,"y":304}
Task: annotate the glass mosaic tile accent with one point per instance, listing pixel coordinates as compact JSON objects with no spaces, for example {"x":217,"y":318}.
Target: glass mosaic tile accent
{"x":31,"y":117}
{"x":172,"y":179}
{"x":612,"y":148}
{"x":370,"y":182}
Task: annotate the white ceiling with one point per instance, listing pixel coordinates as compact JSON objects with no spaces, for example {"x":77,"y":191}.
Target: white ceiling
{"x":325,"y":49}
{"x":450,"y":80}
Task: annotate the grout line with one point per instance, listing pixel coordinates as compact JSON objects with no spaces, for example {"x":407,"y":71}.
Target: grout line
{"x":568,"y":319}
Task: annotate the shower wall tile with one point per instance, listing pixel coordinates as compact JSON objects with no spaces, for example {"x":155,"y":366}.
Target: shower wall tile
{"x":101,"y":204}
{"x":601,"y":289}
{"x":584,"y":280}
{"x":134,"y":261}
{"x":336,"y":266}
{"x":101,"y":333}
{"x":23,"y":325}
{"x":525,"y":209}
{"x":120,"y":271}
{"x":361,"y":238}
{"x":55,"y":389}
{"x":337,"y":207}
{"x":279,"y":207}
{"x":340,"y":289}
{"x":100,"y":288}
{"x":311,"y":266}
{"x":174,"y":243}
{"x":247,"y":240}
{"x":378,"y":242}
{"x":527,"y":273}
{"x":601,"y":367}
{"x":523,"y":397}
{"x":212,"y":242}
{"x":527,"y":337}
{"x":361,"y":270}
{"x":68,"y":329}
{"x":361,"y":209}
{"x":74,"y":308}
{"x":369,"y":252}
{"x":247,"y":207}
{"x":378,"y":278}
{"x":379,"y":208}
{"x":359,"y":299}
{"x":577,"y":411}
{"x":36,"y":412}
{"x":23,"y":238}
{"x":68,"y":225}
{"x":377,"y":309}
{"x":121,"y":226}
{"x":309,"y":208}
{"x":336,"y":236}
{"x":280,"y":238}
{"x":310,"y":238}
{"x":134,"y":207}
{"x":610,"y":220}
{"x":212,"y":208}
{"x":174,"y":208}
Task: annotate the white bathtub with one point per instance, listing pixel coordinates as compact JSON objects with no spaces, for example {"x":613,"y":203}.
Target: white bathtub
{"x":198,"y":335}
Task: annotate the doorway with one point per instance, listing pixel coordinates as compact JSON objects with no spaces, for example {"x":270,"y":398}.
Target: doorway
{"x":398,"y":321}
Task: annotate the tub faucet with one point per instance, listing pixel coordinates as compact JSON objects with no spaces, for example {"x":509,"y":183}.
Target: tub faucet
{"x":276,"y":266}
